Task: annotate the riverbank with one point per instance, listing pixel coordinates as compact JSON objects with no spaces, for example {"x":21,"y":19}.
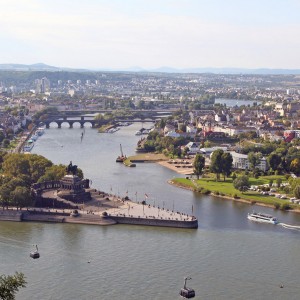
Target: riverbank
{"x":255,"y":200}
{"x":103,"y":209}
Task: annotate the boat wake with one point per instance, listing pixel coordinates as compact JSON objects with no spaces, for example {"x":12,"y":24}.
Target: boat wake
{"x":288,"y":226}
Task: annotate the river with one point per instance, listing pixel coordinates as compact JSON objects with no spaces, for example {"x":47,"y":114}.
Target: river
{"x":228,"y":257}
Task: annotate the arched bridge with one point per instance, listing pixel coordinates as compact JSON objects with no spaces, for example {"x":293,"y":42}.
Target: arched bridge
{"x":64,"y":119}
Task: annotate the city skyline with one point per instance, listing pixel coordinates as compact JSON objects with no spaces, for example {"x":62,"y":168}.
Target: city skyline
{"x":150,"y":34}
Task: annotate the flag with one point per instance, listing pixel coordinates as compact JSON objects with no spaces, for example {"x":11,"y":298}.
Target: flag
{"x":146,"y":195}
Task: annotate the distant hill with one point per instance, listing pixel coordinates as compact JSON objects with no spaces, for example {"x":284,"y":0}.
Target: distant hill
{"x":44,"y":67}
{"x":35,"y":67}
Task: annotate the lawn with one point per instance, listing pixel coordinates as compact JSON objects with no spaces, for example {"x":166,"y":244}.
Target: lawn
{"x":226,"y":188}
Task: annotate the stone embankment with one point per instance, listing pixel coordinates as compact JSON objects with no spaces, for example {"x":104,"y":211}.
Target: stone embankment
{"x":103,"y":209}
{"x":10,"y":215}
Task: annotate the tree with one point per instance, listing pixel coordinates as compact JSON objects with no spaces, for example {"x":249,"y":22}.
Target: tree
{"x":274,"y":161}
{"x":16,"y":164}
{"x":9,"y":285}
{"x":21,"y":196}
{"x":254,"y":159}
{"x":278,"y":182}
{"x":226,"y":164}
{"x":296,"y":192}
{"x":241,"y":183}
{"x":4,"y":194}
{"x":199,"y":164}
{"x":216,"y":162}
{"x":295,"y":166}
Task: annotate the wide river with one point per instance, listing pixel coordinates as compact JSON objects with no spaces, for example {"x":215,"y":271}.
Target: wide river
{"x":228,"y":257}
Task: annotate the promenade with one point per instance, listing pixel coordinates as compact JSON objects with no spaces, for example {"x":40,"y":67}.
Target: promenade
{"x":103,"y":209}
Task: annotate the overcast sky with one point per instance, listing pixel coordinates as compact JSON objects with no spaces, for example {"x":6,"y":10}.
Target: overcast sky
{"x":118,"y":34}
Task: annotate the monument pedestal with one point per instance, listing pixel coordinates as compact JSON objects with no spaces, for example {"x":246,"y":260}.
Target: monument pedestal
{"x":72,"y":188}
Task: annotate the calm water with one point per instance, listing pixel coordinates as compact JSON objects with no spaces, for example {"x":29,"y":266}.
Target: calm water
{"x":236,"y":102}
{"x":228,"y":257}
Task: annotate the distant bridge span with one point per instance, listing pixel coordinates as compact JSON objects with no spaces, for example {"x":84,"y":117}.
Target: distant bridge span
{"x":64,"y":119}
{"x":59,"y":120}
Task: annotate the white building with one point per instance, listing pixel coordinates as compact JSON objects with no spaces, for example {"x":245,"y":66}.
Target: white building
{"x":240,"y":161}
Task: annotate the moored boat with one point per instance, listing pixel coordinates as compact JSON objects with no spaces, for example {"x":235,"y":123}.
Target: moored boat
{"x":122,"y":157}
{"x":28,"y":146}
{"x":263,"y":218}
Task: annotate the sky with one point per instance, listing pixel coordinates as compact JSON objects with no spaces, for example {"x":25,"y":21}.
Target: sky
{"x":120,"y":34}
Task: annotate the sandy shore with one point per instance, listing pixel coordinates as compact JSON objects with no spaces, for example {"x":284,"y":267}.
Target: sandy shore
{"x":178,"y":168}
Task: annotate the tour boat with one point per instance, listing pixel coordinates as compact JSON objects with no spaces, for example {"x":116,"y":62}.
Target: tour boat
{"x":263,"y":218}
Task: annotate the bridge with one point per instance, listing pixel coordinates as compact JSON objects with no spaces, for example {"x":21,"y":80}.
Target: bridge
{"x":59,"y":120}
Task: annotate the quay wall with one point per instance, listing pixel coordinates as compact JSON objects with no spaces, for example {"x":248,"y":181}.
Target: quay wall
{"x":10,"y":215}
{"x":37,"y":216}
{"x":155,"y":222}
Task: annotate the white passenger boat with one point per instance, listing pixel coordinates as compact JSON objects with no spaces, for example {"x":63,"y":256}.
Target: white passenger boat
{"x":263,"y":218}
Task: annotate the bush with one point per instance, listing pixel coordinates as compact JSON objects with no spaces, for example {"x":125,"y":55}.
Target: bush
{"x":276,"y":205}
{"x":235,"y":196}
{"x":206,"y":192}
{"x":253,"y":202}
{"x":217,"y":193}
{"x":285,"y":206}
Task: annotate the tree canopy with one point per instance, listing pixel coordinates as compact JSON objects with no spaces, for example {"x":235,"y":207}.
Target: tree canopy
{"x":10,"y":285}
{"x":199,"y":164}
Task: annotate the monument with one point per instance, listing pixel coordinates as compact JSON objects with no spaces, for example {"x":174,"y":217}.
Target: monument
{"x":72,"y":187}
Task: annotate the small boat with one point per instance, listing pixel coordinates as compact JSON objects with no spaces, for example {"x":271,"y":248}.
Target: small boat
{"x":262,"y":218}
{"x":34,"y":137}
{"x":35,"y":254}
{"x":40,"y":131}
{"x":28,"y":146}
{"x":122,"y":157}
{"x":138,"y":133}
{"x":186,"y":292}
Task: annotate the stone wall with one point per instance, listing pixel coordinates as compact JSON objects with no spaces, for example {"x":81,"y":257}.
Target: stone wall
{"x":11,"y":215}
{"x":155,"y":222}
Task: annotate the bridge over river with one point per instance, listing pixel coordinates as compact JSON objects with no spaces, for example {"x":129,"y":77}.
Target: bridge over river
{"x":59,"y":120}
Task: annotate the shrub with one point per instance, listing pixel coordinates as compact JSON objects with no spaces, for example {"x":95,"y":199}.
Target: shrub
{"x":217,"y":193}
{"x":253,"y":202}
{"x":276,"y":205}
{"x":235,"y":196}
{"x":285,"y":206}
{"x":206,"y":192}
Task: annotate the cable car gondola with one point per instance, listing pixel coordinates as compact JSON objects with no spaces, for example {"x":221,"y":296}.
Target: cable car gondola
{"x":186,"y":292}
{"x":35,"y":254}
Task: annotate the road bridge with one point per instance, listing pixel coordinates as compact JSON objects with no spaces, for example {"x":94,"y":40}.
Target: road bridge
{"x":59,"y":120}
